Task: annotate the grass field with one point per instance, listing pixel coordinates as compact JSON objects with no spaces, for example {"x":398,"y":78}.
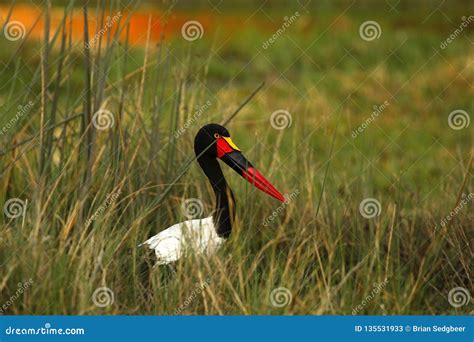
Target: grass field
{"x":370,"y":139}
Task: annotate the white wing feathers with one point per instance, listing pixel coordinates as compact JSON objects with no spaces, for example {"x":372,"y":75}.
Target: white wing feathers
{"x":192,"y":236}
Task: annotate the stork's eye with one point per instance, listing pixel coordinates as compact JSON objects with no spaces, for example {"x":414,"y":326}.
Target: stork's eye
{"x":217,"y":135}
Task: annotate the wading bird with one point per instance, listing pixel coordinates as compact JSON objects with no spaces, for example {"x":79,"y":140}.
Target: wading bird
{"x":204,"y":236}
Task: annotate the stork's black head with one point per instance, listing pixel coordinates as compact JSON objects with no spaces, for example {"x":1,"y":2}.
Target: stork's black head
{"x":213,"y":141}
{"x":208,"y":135}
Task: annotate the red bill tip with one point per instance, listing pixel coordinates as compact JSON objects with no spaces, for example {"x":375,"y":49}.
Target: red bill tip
{"x":254,"y":177}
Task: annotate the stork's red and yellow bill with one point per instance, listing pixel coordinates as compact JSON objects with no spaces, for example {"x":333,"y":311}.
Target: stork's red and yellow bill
{"x":230,"y":154}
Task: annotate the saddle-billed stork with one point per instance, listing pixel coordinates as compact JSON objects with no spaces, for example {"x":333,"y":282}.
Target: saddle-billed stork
{"x":204,"y":236}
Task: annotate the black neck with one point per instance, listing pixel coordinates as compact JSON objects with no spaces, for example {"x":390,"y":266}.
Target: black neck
{"x":225,"y":203}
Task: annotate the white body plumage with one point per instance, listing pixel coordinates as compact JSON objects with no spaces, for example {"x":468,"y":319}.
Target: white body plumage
{"x":192,"y":236}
